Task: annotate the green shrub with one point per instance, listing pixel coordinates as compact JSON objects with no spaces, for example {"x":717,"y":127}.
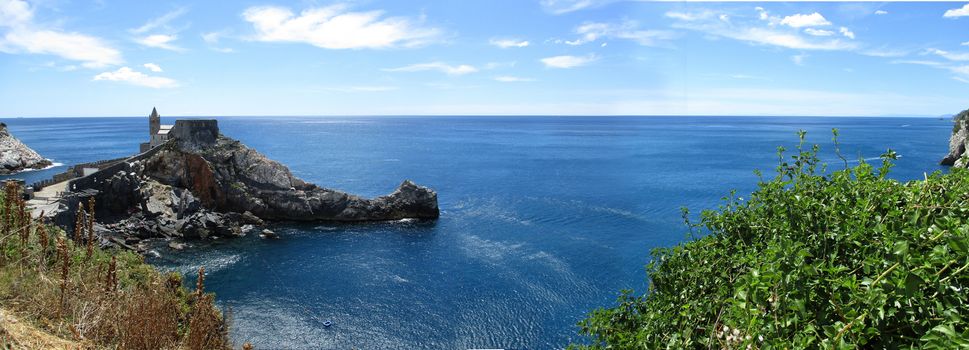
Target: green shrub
{"x":814,"y":259}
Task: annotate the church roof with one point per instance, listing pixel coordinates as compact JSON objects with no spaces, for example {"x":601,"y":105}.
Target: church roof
{"x":154,"y":112}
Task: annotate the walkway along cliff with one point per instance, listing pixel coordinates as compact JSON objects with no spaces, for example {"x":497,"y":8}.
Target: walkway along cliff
{"x":196,"y":183}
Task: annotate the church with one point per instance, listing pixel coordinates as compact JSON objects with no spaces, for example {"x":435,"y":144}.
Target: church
{"x":200,"y":131}
{"x":157,"y":133}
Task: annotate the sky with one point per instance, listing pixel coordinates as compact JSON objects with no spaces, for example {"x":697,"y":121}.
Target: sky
{"x":61,"y":58}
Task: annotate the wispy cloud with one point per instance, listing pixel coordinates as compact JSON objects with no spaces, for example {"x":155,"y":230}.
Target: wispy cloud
{"x":336,"y":27}
{"x":160,"y":22}
{"x":798,"y":59}
{"x":881,"y":12}
{"x":628,"y":30}
{"x":952,"y":56}
{"x":846,"y":32}
{"x":508,"y":43}
{"x":436,"y":66}
{"x":957,"y":12}
{"x":161,"y":41}
{"x":357,"y":89}
{"x":130,"y":76}
{"x":765,"y":30}
{"x":153,"y":67}
{"x":213,"y":39}
{"x":22,"y":35}
{"x":566,"y":61}
{"x":818,"y":32}
{"x":512,"y":79}
{"x":960,"y":72}
{"x":565,"y":6}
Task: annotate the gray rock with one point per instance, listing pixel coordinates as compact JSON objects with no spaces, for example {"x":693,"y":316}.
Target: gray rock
{"x":15,"y":156}
{"x":957,"y":142}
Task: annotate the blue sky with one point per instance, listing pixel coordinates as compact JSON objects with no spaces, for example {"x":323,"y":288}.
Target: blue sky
{"x":515,"y":57}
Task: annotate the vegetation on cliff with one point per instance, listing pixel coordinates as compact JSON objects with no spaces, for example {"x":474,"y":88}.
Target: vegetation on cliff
{"x":70,"y":288}
{"x":813,"y":259}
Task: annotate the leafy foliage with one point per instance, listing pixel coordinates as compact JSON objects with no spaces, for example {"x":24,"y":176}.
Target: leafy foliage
{"x":814,"y":259}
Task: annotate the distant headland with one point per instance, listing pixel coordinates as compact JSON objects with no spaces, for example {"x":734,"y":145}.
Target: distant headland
{"x":190,"y":181}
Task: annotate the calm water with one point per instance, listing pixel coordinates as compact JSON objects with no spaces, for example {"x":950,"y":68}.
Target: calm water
{"x":543,"y":219}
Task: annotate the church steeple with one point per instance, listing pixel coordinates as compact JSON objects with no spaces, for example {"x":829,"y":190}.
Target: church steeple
{"x":154,"y":122}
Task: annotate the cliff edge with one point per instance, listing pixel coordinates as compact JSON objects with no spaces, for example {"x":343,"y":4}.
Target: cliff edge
{"x":15,"y":156}
{"x":957,"y":142}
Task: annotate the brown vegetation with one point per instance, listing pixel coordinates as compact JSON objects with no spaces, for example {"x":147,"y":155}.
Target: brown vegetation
{"x":95,"y":298}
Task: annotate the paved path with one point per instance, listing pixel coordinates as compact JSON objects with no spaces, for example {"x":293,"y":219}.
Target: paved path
{"x":45,"y":200}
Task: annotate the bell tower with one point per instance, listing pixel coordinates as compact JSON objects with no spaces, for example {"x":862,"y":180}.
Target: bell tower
{"x":154,"y":122}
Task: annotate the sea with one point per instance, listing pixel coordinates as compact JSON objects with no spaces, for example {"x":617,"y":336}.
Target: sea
{"x":543,"y":219}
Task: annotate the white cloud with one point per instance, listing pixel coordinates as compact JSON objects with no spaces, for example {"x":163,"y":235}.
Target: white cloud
{"x":508,"y":43}
{"x":334,"y":27}
{"x":153,"y":67}
{"x":512,"y":79}
{"x":959,"y":12}
{"x":590,"y":32}
{"x":436,"y":66}
{"x":846,"y":32}
{"x":159,"y":22}
{"x":127,"y":75}
{"x":881,"y":12}
{"x":802,"y":20}
{"x":965,"y":43}
{"x":798,"y":59}
{"x":23,"y":36}
{"x":818,"y":32}
{"x":769,"y":33}
{"x":952,"y":56}
{"x":568,"y":61}
{"x":161,"y":41}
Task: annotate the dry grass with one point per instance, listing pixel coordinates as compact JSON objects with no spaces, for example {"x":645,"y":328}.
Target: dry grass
{"x":74,"y":290}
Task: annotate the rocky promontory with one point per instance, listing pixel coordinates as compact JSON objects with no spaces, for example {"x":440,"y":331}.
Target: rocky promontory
{"x":202,"y":184}
{"x":15,"y":156}
{"x":957,"y":142}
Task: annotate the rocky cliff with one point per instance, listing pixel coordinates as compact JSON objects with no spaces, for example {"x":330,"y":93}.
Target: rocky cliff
{"x":957,"y":142}
{"x":209,"y":184}
{"x":15,"y":156}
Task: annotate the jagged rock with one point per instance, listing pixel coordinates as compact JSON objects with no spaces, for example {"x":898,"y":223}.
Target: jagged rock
{"x":957,"y":142}
{"x":15,"y":156}
{"x":249,"y":218}
{"x":176,"y":245}
{"x":228,"y":176}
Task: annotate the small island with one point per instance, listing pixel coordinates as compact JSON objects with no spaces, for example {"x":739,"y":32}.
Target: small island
{"x":192,"y":182}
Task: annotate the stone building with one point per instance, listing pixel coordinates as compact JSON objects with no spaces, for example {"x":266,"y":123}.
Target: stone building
{"x":195,"y":130}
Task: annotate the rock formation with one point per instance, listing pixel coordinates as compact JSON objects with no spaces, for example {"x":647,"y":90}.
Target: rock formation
{"x":203,"y":184}
{"x":957,"y":142}
{"x":15,"y":156}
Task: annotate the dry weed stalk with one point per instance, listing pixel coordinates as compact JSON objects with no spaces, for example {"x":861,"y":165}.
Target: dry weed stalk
{"x":65,"y":269}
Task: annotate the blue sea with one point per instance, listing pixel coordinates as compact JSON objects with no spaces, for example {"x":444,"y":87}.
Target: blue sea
{"x":543,"y":219}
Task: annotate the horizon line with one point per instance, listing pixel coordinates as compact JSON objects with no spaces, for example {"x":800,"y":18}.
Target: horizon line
{"x":489,"y":115}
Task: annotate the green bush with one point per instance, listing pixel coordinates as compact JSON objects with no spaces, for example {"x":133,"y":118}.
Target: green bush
{"x":814,"y":259}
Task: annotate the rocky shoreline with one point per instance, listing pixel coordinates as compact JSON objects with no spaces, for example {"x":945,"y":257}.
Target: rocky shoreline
{"x":203,"y":185}
{"x":16,"y":157}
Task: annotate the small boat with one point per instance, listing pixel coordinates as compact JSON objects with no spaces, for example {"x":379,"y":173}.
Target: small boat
{"x":327,"y":323}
